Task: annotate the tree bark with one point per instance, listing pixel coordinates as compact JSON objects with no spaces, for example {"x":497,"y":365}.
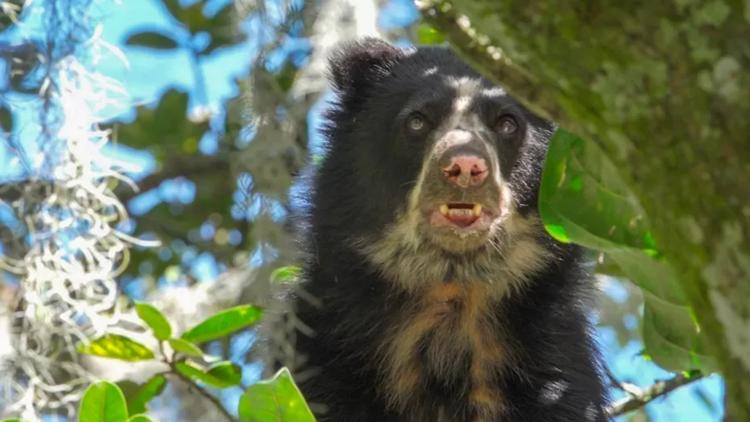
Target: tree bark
{"x":662,"y":88}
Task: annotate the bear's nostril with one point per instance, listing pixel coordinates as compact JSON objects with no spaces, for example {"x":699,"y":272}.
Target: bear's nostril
{"x":452,"y":171}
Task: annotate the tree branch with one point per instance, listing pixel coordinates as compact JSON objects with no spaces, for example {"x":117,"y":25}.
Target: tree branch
{"x":178,"y":165}
{"x":489,"y":59}
{"x":639,"y":399}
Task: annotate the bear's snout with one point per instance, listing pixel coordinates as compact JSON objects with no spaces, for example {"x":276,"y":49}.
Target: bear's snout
{"x":466,"y":170}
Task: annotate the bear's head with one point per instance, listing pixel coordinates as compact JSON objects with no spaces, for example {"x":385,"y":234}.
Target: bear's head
{"x":427,"y":161}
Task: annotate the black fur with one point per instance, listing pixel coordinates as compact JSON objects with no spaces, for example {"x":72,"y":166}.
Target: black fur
{"x":351,"y":305}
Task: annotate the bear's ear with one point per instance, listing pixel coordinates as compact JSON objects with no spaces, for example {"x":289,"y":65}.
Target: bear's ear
{"x":357,"y":65}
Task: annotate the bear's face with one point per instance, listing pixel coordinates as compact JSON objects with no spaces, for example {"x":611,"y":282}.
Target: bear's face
{"x":448,"y":163}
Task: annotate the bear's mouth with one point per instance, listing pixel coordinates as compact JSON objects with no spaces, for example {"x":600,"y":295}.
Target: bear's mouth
{"x":461,"y":216}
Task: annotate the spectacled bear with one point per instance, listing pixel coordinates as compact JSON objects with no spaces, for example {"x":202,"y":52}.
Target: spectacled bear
{"x":430,"y":290}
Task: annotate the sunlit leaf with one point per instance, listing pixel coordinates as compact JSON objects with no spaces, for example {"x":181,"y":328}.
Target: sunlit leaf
{"x":117,"y":347}
{"x":140,"y":418}
{"x":103,"y":402}
{"x":152,"y":39}
{"x":427,"y":34}
{"x":224,"y":323}
{"x":584,"y":200}
{"x":222,"y":374}
{"x":155,"y":320}
{"x":275,"y":400}
{"x":185,"y":347}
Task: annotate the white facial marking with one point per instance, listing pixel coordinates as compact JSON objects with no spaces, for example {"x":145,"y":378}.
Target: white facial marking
{"x":494,"y":92}
{"x":466,"y":90}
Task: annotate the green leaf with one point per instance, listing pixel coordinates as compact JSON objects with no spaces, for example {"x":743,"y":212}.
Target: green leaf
{"x":155,"y":320}
{"x":274,"y":400}
{"x":584,"y":200}
{"x":116,"y":346}
{"x":672,"y":338}
{"x":185,"y":347}
{"x":6,"y":119}
{"x":151,"y":39}
{"x":222,"y":374}
{"x":11,"y":420}
{"x":140,"y":418}
{"x":138,"y":396}
{"x":103,"y":402}
{"x":227,"y":372}
{"x":287,"y":274}
{"x":427,"y":34}
{"x":224,"y":323}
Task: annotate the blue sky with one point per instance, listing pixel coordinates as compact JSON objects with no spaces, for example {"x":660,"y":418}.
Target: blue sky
{"x":148,"y":74}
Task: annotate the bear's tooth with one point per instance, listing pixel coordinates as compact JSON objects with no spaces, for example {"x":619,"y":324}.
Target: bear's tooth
{"x":460,"y":212}
{"x":477,"y":210}
{"x":444,"y":209}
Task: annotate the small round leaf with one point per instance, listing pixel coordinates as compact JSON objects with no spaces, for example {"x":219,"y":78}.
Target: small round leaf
{"x":155,"y":320}
{"x":103,"y":402}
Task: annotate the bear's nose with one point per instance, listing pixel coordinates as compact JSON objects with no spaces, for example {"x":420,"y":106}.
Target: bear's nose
{"x":466,"y":170}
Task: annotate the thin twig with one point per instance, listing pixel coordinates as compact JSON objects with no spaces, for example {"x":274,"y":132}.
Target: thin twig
{"x":203,"y":392}
{"x":658,"y":389}
{"x":169,"y":360}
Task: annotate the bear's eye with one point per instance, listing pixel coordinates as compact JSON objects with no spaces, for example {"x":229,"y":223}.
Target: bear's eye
{"x":506,"y":125}
{"x":416,"y":122}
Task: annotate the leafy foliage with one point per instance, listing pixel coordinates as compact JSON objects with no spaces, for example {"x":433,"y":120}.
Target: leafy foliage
{"x":171,"y":133}
{"x":106,"y":400}
{"x":584,"y":200}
